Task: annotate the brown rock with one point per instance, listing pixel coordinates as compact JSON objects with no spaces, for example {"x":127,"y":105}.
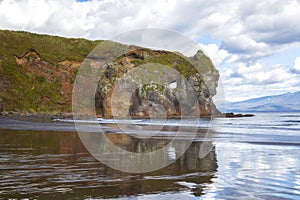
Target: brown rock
{"x":178,"y":96}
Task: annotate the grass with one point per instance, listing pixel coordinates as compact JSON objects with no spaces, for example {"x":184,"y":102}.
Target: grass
{"x":23,"y":91}
{"x":186,"y":66}
{"x":177,"y":62}
{"x":51,"y":48}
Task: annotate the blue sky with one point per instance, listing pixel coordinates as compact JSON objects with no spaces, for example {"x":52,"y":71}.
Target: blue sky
{"x":254,"y":44}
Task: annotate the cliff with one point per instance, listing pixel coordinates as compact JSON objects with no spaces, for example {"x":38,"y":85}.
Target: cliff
{"x":37,"y":74}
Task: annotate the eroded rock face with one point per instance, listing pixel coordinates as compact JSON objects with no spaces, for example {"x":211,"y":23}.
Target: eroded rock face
{"x":63,"y":73}
{"x":156,"y":91}
{"x":146,"y":83}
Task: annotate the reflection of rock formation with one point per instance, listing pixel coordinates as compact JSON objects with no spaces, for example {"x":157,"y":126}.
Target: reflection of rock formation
{"x":42,"y":141}
{"x":74,"y":168}
{"x":189,"y":160}
{"x":189,"y":167}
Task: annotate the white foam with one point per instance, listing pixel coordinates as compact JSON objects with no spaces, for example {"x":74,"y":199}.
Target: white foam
{"x":169,"y":122}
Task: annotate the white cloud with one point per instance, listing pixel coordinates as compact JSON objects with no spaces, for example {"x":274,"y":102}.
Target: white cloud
{"x":214,"y":52}
{"x":244,"y":27}
{"x":247,"y":30}
{"x":243,"y":82}
{"x":276,"y":25}
{"x":297,"y":64}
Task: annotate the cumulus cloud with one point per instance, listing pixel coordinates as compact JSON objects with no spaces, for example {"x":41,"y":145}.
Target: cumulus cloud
{"x":275,"y":26}
{"x":247,"y":30}
{"x":245,"y":27}
{"x":243,"y":82}
{"x":247,"y":91}
{"x":297,"y":64}
{"x":215,"y":53}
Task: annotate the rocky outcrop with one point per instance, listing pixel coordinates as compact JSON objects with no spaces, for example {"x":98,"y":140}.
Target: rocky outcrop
{"x":63,"y":74}
{"x":179,"y":90}
{"x":28,"y":57}
{"x":171,"y":87}
{"x":37,"y":73}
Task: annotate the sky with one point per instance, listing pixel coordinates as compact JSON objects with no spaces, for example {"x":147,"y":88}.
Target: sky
{"x":255,"y":45}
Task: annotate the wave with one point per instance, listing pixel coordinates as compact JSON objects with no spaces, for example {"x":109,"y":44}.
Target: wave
{"x":274,"y":143}
{"x":291,"y":121}
{"x":289,"y":115}
{"x":174,"y":122}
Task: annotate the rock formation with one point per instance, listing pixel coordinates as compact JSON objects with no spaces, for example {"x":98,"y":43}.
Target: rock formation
{"x":152,"y":98}
{"x":63,"y":74}
{"x":41,"y":78}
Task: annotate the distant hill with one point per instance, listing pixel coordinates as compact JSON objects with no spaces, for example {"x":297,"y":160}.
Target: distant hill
{"x":288,"y":102}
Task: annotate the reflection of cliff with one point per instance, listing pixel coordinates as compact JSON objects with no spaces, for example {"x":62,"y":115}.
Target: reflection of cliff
{"x":188,"y":161}
{"x":41,"y":142}
{"x":58,"y":160}
{"x":192,"y":161}
{"x":188,"y":168}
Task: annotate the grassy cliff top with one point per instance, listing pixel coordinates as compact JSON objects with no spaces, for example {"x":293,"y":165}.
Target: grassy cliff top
{"x":25,"y":89}
{"x":50,"y":48}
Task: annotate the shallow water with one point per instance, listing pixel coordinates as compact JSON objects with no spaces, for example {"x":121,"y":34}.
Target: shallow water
{"x":249,"y":158}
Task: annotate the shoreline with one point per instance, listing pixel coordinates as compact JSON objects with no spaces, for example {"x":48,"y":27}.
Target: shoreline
{"x":35,"y":117}
{"x":46,"y":117}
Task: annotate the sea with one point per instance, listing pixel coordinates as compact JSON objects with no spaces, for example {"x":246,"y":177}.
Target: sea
{"x":226,"y":158}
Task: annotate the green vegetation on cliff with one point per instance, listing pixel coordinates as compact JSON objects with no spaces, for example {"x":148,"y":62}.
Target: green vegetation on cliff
{"x":50,"y":48}
{"x":37,"y":72}
{"x":23,"y":91}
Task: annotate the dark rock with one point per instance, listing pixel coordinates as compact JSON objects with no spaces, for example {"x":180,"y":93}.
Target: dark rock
{"x":233,"y":115}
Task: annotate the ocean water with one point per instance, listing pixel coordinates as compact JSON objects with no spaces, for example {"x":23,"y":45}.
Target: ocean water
{"x":247,"y":158}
